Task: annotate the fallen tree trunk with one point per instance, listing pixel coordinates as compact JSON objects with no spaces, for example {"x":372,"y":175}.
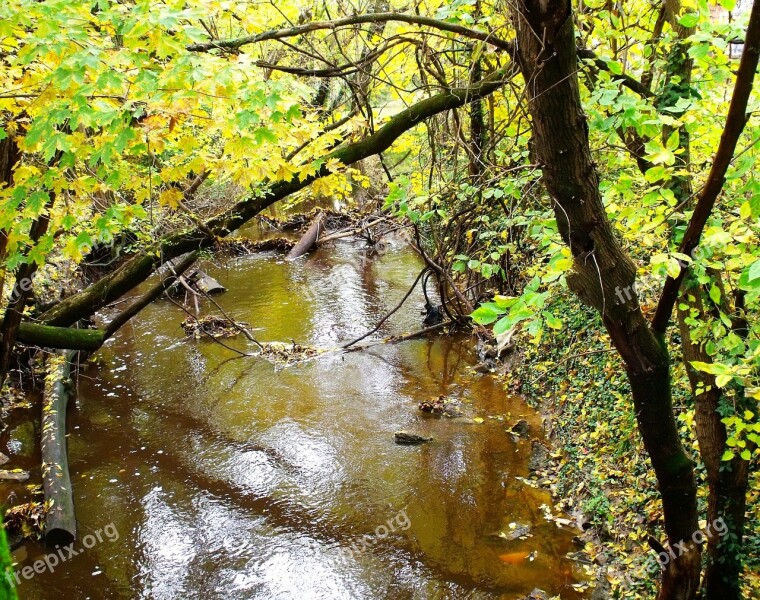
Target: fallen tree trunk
{"x":308,"y":240}
{"x":173,"y":271}
{"x":204,"y":283}
{"x":90,"y":340}
{"x":60,"y":523}
{"x":60,"y":338}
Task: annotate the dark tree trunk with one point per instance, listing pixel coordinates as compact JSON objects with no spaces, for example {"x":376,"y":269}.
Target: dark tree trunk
{"x":22,"y":290}
{"x":9,"y":156}
{"x":603,"y":275}
{"x":727,"y":480}
{"x":60,"y":522}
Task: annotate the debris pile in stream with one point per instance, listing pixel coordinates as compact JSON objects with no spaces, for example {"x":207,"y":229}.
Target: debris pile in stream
{"x":441,"y":406}
{"x":332,"y":220}
{"x":284,"y":353}
{"x":243,"y":246}
{"x":211,"y":326}
{"x":26,"y":520}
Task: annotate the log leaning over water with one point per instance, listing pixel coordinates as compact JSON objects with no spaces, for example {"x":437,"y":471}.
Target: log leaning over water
{"x":60,"y":523}
{"x":309,"y":238}
{"x":204,"y":283}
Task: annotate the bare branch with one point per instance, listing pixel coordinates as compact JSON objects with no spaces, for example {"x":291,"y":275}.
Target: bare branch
{"x":277,"y":34}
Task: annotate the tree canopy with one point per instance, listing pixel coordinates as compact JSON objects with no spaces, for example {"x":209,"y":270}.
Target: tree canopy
{"x":608,"y":148}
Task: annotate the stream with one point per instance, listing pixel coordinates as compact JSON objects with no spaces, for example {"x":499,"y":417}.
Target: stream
{"x":231,"y":477}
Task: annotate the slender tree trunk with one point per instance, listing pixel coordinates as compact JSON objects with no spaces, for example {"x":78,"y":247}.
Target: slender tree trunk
{"x":603,"y":275}
{"x":9,"y":156}
{"x":22,"y":290}
{"x":727,"y":481}
{"x":477,"y":144}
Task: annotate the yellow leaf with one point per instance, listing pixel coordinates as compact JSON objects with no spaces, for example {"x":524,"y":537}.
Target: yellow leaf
{"x":170,"y":197}
{"x":333,"y":165}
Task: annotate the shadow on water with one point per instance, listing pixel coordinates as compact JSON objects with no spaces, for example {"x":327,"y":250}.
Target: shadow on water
{"x":236,"y":479}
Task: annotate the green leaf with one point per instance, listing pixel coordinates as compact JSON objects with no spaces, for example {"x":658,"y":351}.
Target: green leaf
{"x":754,"y":271}
{"x":486,"y":314}
{"x":655,"y":174}
{"x":689,"y":20}
{"x":746,"y":455}
{"x":699,"y":51}
{"x":673,"y":140}
{"x":615,"y":67}
{"x":503,"y":325}
{"x":715,"y":294}
{"x":552,"y":321}
{"x":727,"y":455}
{"x":264,"y":134}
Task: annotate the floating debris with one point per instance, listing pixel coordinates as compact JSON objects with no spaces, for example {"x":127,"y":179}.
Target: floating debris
{"x":441,"y":406}
{"x":406,"y":438}
{"x":211,"y":326}
{"x":521,"y":428}
{"x":284,"y":353}
{"x":14,"y":475}
{"x":513,"y":532}
{"x":26,"y":520}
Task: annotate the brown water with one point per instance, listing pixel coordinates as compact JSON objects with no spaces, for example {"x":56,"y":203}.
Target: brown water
{"x":231,"y":478}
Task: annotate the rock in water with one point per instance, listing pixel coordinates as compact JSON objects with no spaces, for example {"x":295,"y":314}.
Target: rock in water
{"x":403,"y":437}
{"x":539,"y":456}
{"x":521,"y":428}
{"x":17,"y":475}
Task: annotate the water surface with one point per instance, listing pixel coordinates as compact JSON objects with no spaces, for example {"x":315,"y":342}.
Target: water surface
{"x":234,"y":478}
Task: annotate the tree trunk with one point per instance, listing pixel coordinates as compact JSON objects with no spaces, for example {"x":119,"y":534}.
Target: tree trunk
{"x":60,"y":522}
{"x":9,"y":156}
{"x":308,"y":239}
{"x":603,"y":275}
{"x":22,"y":290}
{"x":727,"y":480}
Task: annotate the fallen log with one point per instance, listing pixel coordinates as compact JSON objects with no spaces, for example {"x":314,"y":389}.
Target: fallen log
{"x":47,"y":336}
{"x":171,"y":273}
{"x":308,"y":240}
{"x":204,"y":283}
{"x":60,"y":522}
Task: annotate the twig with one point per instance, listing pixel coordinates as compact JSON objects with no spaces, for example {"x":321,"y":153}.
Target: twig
{"x":401,"y":338}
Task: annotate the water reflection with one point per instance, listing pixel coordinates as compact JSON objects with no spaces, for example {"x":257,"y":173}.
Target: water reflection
{"x":235,"y":479}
